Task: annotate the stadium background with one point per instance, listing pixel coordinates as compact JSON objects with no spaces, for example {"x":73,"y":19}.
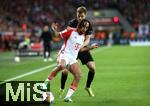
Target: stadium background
{"x":123,"y":70}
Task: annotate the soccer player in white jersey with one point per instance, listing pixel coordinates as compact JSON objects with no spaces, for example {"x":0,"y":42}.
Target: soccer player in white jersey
{"x":73,"y":40}
{"x":85,"y":57}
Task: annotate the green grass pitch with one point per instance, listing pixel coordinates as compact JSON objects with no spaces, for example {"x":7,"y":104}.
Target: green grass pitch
{"x":122,"y":76}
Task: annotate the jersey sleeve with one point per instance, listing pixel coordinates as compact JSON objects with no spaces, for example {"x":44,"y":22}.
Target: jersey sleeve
{"x":65,"y":34}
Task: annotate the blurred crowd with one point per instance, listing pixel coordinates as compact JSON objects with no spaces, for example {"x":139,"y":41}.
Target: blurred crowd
{"x":18,"y":15}
{"x":32,"y":15}
{"x":135,"y":11}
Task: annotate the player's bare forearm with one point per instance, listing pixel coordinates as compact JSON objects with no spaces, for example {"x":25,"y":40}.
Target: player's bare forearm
{"x":93,"y":46}
{"x":85,"y":49}
{"x":68,"y":28}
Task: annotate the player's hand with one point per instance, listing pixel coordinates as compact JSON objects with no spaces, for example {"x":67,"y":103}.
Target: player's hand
{"x":54,"y":26}
{"x":94,"y":45}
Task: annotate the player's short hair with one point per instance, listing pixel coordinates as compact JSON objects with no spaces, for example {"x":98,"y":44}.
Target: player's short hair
{"x":82,"y":23}
{"x":82,"y":9}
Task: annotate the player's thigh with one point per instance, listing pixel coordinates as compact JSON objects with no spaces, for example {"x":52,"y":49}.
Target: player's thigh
{"x":62,"y":60}
{"x":62,"y":63}
{"x":75,"y":68}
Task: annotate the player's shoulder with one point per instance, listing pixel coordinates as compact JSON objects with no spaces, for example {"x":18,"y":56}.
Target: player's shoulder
{"x":73,"y":20}
{"x":73,"y":23}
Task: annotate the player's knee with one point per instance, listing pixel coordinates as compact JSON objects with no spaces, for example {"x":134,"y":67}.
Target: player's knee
{"x":92,"y":69}
{"x":65,"y":71}
{"x":78,"y":76}
{"x":91,"y":66}
{"x":61,"y":67}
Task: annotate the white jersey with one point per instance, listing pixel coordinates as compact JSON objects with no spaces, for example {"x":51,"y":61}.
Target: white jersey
{"x":72,"y":43}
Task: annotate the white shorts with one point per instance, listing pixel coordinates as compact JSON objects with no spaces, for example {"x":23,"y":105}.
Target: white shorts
{"x":68,"y":58}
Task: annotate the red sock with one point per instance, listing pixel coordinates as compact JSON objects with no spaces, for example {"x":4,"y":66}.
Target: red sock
{"x":52,"y":75}
{"x":73,"y":86}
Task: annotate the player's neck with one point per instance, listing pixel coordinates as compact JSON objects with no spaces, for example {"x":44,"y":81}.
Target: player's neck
{"x":79,"y":32}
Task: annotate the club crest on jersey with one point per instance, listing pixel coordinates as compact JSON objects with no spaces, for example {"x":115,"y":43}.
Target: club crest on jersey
{"x":75,"y":37}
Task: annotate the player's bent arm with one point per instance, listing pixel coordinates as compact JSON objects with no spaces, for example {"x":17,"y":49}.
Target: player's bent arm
{"x":56,"y":33}
{"x":71,"y":28}
{"x":54,"y":28}
{"x":86,"y":42}
{"x":85,"y":49}
{"x":93,"y":46}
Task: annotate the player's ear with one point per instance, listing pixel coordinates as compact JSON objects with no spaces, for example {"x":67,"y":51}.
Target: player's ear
{"x":89,"y":28}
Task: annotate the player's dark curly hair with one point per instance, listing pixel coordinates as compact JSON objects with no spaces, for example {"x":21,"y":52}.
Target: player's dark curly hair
{"x":82,"y":24}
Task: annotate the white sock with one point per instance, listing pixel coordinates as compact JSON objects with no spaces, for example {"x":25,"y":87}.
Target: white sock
{"x":44,"y":85}
{"x":69,"y":93}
